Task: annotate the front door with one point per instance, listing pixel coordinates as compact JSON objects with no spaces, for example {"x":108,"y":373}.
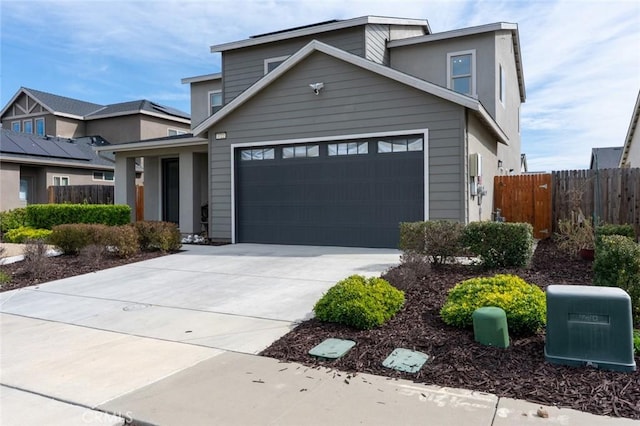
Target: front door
{"x":170,"y":190}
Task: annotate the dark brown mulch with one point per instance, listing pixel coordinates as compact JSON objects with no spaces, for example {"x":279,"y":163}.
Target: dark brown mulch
{"x":519,"y":371}
{"x":65,"y":266}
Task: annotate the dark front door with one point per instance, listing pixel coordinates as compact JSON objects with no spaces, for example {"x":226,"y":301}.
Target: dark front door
{"x":170,"y":190}
{"x":354,"y":199}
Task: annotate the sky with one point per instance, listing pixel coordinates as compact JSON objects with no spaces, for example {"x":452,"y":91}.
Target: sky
{"x":581,"y":59}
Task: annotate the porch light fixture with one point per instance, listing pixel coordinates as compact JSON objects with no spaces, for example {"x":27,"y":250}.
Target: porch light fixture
{"x":316,"y":87}
{"x":499,"y":164}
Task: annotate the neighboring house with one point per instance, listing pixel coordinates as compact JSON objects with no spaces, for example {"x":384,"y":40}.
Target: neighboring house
{"x":605,"y":158}
{"x":41,"y":113}
{"x":29,"y":164}
{"x":333,"y":133}
{"x":631,"y":150}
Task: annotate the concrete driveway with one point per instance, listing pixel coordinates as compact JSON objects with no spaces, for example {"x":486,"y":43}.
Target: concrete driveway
{"x":89,"y":339}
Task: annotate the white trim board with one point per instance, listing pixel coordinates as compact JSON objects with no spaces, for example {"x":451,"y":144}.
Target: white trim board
{"x":234,"y":146}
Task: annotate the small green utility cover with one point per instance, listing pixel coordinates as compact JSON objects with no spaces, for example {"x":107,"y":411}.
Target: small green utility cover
{"x":405,"y":360}
{"x":332,"y":348}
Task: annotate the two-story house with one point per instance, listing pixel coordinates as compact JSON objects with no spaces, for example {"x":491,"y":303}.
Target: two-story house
{"x":333,"y":133}
{"x":38,"y":119}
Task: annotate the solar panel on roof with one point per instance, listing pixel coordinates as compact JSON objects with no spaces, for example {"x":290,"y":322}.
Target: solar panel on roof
{"x":26,"y":144}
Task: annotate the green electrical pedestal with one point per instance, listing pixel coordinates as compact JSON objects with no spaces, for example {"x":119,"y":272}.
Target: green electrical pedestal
{"x":490,"y":327}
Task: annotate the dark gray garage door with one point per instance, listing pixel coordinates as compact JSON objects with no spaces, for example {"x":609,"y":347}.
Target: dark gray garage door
{"x":336,"y":193}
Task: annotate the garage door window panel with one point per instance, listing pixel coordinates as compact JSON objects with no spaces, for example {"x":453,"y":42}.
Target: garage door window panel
{"x":257,"y":154}
{"x":400,"y":145}
{"x":300,"y":151}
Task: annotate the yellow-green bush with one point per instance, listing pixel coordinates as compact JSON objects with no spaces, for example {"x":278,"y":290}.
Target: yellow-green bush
{"x":360,"y":302}
{"x":24,"y":233}
{"x":525,"y":304}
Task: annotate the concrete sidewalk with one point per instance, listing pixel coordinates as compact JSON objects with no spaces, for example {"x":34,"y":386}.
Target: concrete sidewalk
{"x":172,"y":341}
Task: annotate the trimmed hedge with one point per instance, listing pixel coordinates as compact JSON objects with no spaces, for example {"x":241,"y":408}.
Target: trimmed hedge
{"x":525,"y":304}
{"x":23,"y":234}
{"x":360,"y":302}
{"x":12,"y":219}
{"x":610,"y":229}
{"x":617,"y":264}
{"x":122,"y":240}
{"x":438,"y":240}
{"x":500,"y":244}
{"x":71,"y":238}
{"x":46,"y":216}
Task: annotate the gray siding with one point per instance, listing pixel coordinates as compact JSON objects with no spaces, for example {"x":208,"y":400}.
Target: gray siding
{"x":376,"y":43}
{"x":243,"y":67}
{"x":354,"y":101}
{"x":481,"y":142}
{"x":200,"y":100}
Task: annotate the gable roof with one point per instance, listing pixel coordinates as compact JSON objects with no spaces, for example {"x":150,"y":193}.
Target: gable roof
{"x":29,"y":148}
{"x":201,"y":78}
{"x":319,"y":28}
{"x":631,"y":132}
{"x":81,"y":110}
{"x":462,"y":32}
{"x":605,"y":158}
{"x":316,"y":46}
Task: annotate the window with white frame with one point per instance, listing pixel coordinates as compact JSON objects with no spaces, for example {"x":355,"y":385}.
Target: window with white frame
{"x":27,"y":126}
{"x":300,"y":151}
{"x":257,"y":154}
{"x":348,"y":148}
{"x":461,"y":72}
{"x":175,"y":132}
{"x":215,"y":101}
{"x":105,"y":176}
{"x":15,"y":126}
{"x":400,"y":144}
{"x":40,"y":126}
{"x":271,"y":63}
{"x":60,"y":180}
{"x":502,"y":85}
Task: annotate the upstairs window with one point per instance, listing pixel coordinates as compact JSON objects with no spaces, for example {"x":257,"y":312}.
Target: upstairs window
{"x":15,"y":126}
{"x":40,"y":126}
{"x":215,"y":101}
{"x":461,"y":72}
{"x":27,"y":126}
{"x":175,"y":132}
{"x":271,"y":63}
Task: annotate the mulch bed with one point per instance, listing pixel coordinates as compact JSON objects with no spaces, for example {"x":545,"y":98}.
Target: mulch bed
{"x":65,"y":266}
{"x":520,"y":371}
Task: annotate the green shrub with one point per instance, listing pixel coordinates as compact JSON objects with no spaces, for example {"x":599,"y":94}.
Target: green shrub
{"x":525,"y":304}
{"x":636,"y":341}
{"x":617,"y":264}
{"x":500,"y":244}
{"x":360,"y":302}
{"x":71,"y":238}
{"x":12,"y":219}
{"x":22,"y":234}
{"x":155,"y":235}
{"x":5,"y":278}
{"x":609,"y":229}
{"x":49,"y":215}
{"x":438,"y":240}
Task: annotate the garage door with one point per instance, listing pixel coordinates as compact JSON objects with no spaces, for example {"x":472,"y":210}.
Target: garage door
{"x":347,"y":193}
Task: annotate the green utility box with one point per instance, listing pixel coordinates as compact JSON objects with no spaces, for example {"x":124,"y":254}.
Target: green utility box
{"x":591,"y":326}
{"x":490,"y":326}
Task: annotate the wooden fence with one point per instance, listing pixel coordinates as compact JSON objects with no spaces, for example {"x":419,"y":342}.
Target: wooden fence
{"x":525,"y":198}
{"x":81,"y":194}
{"x":608,"y":196}
{"x":92,"y":194}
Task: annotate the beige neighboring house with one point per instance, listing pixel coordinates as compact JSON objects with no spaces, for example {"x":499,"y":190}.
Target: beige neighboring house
{"x":333,"y":133}
{"x":631,"y":150}
{"x":45,"y":114}
{"x":29,"y":164}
